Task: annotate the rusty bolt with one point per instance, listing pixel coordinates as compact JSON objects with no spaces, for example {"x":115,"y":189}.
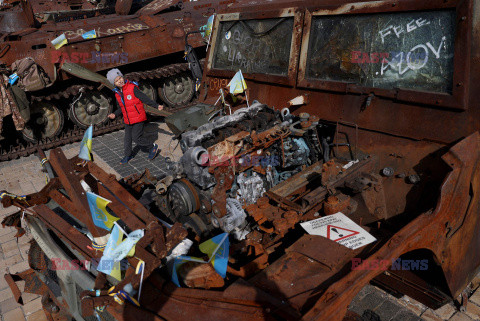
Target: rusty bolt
{"x":262,"y":202}
{"x":387,"y":171}
{"x":332,"y":200}
{"x":413,"y":179}
{"x":291,"y":217}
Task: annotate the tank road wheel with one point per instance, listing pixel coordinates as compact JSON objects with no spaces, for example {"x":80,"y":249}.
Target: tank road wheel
{"x":148,"y":89}
{"x":177,"y":90}
{"x":92,"y":108}
{"x":46,"y":121}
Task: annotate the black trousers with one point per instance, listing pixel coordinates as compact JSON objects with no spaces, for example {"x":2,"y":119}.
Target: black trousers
{"x":135,"y":132}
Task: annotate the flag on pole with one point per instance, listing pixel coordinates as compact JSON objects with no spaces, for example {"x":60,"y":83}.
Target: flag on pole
{"x":117,"y":249}
{"x":107,"y":265}
{"x":208,"y":31}
{"x":92,"y":34}
{"x":98,"y":208}
{"x":237,"y":84}
{"x":217,"y":250}
{"x":60,"y":41}
{"x":86,"y":145}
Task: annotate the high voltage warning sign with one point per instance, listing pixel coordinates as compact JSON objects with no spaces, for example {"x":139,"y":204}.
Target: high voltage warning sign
{"x":341,"y":229}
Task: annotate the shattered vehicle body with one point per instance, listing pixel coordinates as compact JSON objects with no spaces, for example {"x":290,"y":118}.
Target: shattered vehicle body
{"x":397,"y":98}
{"x":365,"y":109}
{"x":58,"y":91}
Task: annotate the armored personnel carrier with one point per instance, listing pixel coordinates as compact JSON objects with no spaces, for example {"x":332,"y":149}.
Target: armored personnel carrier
{"x":52,"y":103}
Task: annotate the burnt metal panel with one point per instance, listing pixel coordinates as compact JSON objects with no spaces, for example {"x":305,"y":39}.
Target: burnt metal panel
{"x":462,"y":23}
{"x":239,"y":49}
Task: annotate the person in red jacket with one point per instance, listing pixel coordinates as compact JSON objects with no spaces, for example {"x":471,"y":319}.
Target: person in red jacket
{"x":130,"y":100}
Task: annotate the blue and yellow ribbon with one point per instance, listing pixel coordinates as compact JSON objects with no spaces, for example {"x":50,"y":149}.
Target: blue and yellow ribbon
{"x":121,"y":296}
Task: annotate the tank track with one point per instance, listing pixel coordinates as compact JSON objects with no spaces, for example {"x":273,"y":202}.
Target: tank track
{"x":76,"y":134}
{"x":71,"y":136}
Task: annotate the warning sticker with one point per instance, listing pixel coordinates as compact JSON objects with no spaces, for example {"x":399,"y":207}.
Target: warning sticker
{"x":341,"y":229}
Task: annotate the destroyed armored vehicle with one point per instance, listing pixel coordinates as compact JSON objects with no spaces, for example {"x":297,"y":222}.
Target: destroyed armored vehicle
{"x":72,"y":10}
{"x":55,"y":89}
{"x":350,"y":157}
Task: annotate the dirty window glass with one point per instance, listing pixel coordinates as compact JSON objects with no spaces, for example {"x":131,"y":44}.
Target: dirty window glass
{"x":254,"y":46}
{"x":412,"y":50}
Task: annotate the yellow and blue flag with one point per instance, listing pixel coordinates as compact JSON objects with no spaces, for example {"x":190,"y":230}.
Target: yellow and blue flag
{"x":92,"y":34}
{"x":107,"y":265}
{"x":237,"y":84}
{"x":116,"y":250}
{"x":98,"y":208}
{"x":217,"y":249}
{"x":140,"y":267}
{"x":208,"y":31}
{"x":86,"y":145}
{"x":60,"y":41}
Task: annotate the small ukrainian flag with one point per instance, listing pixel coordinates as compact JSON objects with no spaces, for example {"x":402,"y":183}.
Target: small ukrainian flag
{"x":86,"y":145}
{"x":237,"y":84}
{"x":92,"y":34}
{"x":208,"y":31}
{"x":98,"y":209}
{"x":107,"y":265}
{"x":217,"y":249}
{"x":60,"y":41}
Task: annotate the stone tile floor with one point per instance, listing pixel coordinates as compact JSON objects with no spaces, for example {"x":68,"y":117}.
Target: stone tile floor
{"x":25,"y":176}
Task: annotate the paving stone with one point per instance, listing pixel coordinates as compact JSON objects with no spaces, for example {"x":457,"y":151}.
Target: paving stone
{"x":19,"y":267}
{"x":405,"y":315}
{"x":38,"y":185}
{"x":8,"y":305}
{"x":14,"y":315}
{"x":387,"y":309}
{"x":460,"y":317}
{"x":5,"y":294}
{"x":11,"y":261}
{"x":446,"y":311}
{"x":413,"y":305}
{"x":37,"y":316}
{"x":13,"y":184}
{"x":3,"y":283}
{"x":10,"y":248}
{"x":32,"y":306}
{"x":7,"y":211}
{"x":370,"y":301}
{"x":473,"y":311}
{"x":27,"y":188}
{"x":429,"y":315}
{"x":475,"y":297}
{"x":7,"y":234}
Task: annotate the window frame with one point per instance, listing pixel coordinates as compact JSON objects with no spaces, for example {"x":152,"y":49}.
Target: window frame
{"x":461,"y":61}
{"x":290,"y":78}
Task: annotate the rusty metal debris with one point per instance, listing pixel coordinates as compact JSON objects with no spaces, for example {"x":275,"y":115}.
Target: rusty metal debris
{"x":256,"y":172}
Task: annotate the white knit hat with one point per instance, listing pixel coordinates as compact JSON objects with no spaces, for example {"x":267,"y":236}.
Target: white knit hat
{"x":113,"y":74}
